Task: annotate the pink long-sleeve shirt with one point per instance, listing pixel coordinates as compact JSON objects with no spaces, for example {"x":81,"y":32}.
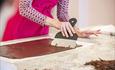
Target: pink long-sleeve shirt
{"x":30,"y":17}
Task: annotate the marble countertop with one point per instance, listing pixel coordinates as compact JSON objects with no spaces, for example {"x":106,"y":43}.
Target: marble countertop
{"x":103,"y":47}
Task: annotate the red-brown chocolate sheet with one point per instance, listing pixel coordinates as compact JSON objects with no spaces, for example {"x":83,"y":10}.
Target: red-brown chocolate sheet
{"x":29,"y":49}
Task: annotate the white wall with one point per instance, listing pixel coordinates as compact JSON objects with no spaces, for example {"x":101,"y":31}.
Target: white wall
{"x":83,"y":12}
{"x":102,"y":11}
{"x":96,"y":12}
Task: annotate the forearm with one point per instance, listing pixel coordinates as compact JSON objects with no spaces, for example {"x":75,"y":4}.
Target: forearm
{"x":62,"y":10}
{"x":26,"y":10}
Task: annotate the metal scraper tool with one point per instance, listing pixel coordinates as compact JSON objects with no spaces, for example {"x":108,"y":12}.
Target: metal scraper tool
{"x":61,"y":41}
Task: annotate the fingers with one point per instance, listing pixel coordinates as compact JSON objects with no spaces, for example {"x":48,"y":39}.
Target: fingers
{"x":72,"y":29}
{"x":67,"y":30}
{"x":62,"y":31}
{"x":96,"y":32}
{"x":88,"y":33}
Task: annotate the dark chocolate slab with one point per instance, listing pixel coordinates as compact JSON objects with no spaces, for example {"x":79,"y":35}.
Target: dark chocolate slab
{"x":103,"y":64}
{"x":29,"y":49}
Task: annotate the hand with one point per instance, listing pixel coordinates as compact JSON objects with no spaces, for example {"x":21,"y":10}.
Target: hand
{"x":53,"y":23}
{"x":87,"y":33}
{"x":66,"y":29}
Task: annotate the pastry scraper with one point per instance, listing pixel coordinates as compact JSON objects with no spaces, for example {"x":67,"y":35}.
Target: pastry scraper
{"x":61,"y":41}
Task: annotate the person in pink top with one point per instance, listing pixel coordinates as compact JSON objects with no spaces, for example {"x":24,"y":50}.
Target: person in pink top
{"x":33,"y":18}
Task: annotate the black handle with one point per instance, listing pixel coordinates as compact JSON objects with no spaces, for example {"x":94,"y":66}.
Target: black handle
{"x":73,"y":21}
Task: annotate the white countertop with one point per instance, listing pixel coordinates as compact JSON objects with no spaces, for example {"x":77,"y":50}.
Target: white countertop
{"x":102,"y":47}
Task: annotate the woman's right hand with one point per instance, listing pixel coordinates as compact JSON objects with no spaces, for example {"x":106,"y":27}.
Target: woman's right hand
{"x":53,"y":23}
{"x":65,"y":27}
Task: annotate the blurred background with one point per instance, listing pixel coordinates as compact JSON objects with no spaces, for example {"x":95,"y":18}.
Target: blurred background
{"x":93,"y":12}
{"x":88,"y":12}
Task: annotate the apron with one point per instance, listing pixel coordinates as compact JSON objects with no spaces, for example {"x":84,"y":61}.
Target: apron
{"x":20,"y":27}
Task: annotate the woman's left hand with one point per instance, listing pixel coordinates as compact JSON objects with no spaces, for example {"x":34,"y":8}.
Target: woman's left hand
{"x":87,"y":33}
